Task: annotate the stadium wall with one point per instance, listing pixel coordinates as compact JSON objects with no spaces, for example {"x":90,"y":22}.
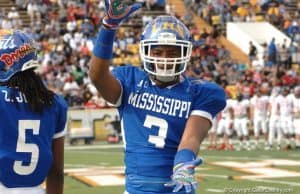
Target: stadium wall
{"x":241,"y":33}
{"x":90,"y":123}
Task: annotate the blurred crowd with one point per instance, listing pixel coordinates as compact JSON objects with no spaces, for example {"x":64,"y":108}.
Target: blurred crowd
{"x":65,"y":32}
{"x":283,"y":14}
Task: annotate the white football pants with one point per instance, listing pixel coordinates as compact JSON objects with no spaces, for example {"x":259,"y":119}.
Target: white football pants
{"x":24,"y":190}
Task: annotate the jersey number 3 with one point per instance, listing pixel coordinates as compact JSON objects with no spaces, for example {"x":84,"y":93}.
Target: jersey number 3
{"x":24,"y":147}
{"x":158,"y":141}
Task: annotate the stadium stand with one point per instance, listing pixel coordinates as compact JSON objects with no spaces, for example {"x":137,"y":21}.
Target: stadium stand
{"x":65,"y":32}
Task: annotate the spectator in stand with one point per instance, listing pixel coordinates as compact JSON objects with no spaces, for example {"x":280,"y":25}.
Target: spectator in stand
{"x":63,"y":41}
{"x":86,"y":28}
{"x":284,"y":56}
{"x":22,"y":4}
{"x":296,"y":115}
{"x":188,"y":17}
{"x":273,"y":14}
{"x":150,"y":4}
{"x":33,"y":11}
{"x":2,"y":16}
{"x":6,"y":23}
{"x":252,"y":51}
{"x":242,"y":11}
{"x":160,"y":4}
{"x":272,"y":52}
{"x":13,"y":14}
{"x":197,"y":70}
{"x":71,"y":91}
{"x":223,"y":53}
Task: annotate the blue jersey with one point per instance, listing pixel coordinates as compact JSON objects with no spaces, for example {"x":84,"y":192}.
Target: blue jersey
{"x":153,"y":120}
{"x":26,"y":138}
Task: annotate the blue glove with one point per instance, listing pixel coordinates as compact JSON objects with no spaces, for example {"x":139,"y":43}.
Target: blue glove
{"x":116,"y":12}
{"x":183,"y":176}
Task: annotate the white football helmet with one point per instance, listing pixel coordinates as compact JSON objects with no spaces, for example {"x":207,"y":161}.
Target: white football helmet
{"x":165,"y":31}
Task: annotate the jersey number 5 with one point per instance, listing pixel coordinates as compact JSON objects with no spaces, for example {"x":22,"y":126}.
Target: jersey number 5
{"x":24,"y":147}
{"x":159,"y":140}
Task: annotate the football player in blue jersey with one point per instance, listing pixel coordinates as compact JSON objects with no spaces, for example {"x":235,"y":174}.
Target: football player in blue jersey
{"x":32,"y":122}
{"x":164,"y":115}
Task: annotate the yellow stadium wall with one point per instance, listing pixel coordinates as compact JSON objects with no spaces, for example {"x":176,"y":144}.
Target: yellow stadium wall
{"x":95,"y":119}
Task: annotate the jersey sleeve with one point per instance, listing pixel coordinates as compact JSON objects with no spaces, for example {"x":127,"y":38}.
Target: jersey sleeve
{"x":123,"y":74}
{"x":61,"y":117}
{"x":120,"y":75}
{"x":229,"y":103}
{"x":253,"y":100}
{"x":246,"y":103}
{"x":210,"y":101}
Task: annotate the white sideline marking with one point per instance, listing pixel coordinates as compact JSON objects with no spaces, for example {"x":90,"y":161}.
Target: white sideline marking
{"x":94,"y":152}
{"x":215,"y":190}
{"x":283,"y":162}
{"x":264,"y":187}
{"x":232,"y":157}
{"x":107,"y":180}
{"x":255,"y":180}
{"x":87,"y":147}
{"x":261,"y":169}
{"x":242,"y":157}
{"x":295,"y":155}
{"x":275,"y":182}
{"x":215,"y":175}
{"x":108,"y":172}
{"x":77,"y":165}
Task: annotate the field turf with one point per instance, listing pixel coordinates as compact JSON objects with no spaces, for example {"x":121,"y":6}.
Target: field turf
{"x":212,"y":177}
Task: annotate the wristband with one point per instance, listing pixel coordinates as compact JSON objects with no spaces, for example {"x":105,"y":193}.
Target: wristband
{"x":184,"y":155}
{"x":104,"y":44}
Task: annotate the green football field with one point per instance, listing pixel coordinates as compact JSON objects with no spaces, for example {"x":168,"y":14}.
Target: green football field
{"x":91,"y":169}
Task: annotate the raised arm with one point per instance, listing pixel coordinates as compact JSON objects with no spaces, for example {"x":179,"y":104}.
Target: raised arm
{"x":107,"y":85}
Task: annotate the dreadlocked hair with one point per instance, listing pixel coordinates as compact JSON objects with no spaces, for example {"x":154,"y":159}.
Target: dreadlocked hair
{"x":32,"y":86}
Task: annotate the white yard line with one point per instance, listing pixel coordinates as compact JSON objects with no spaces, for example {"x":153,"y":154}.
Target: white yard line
{"x":77,"y":165}
{"x":85,"y":147}
{"x":295,"y":155}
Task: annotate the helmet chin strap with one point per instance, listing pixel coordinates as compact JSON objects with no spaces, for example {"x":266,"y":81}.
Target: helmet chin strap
{"x":164,"y":83}
{"x":165,"y":78}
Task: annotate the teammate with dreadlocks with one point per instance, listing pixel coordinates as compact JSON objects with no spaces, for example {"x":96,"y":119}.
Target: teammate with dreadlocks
{"x":32,"y":122}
